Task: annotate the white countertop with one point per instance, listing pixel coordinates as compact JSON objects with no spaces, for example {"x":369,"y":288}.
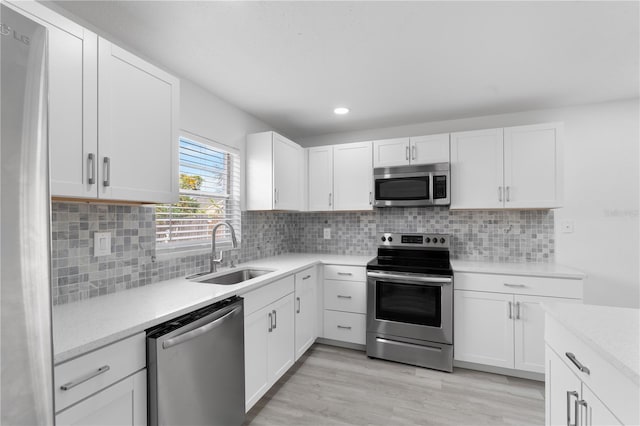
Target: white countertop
{"x":551,"y":270}
{"x":83,"y":326}
{"x":614,"y":333}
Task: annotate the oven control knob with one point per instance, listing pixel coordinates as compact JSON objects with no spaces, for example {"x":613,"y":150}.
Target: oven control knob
{"x":435,"y":241}
{"x":427,"y":240}
{"x":383,"y":239}
{"x":389,"y":239}
{"x":442,"y":240}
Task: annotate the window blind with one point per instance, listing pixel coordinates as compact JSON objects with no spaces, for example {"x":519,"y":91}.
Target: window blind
{"x":209,"y":194}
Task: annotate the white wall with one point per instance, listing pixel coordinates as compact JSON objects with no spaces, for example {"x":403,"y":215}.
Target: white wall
{"x":601,"y":188}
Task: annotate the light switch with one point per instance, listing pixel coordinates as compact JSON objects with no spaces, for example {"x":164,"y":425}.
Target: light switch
{"x":327,"y":233}
{"x":101,"y":243}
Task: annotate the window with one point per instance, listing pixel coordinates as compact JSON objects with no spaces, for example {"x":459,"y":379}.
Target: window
{"x":209,"y":194}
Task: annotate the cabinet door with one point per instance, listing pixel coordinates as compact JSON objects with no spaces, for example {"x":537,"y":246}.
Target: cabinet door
{"x":477,"y":170}
{"x":138,"y":128}
{"x":256,"y":374}
{"x":483,"y":328}
{"x":320,"y":178}
{"x":430,"y":149}
{"x":562,"y":389}
{"x":124,"y":403}
{"x":73,"y":103}
{"x":391,"y":152}
{"x":595,"y":412}
{"x":533,"y":166}
{"x":353,"y":176}
{"x":529,"y":331}
{"x":306,"y":310}
{"x":287,"y":166}
{"x":281,"y":340}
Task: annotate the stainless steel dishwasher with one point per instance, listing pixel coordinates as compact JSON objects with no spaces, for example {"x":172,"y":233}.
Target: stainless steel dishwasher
{"x":196,"y":367}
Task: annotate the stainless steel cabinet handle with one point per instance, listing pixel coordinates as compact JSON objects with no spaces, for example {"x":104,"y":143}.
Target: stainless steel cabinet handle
{"x":298,"y":310}
{"x":577,"y":363}
{"x":275,"y":196}
{"x":345,"y":273}
{"x":223,"y":315}
{"x":370,"y":198}
{"x":578,"y":409}
{"x":500,"y":193}
{"x":275,"y":319}
{"x":74,"y":383}
{"x":508,"y":192}
{"x":514,"y":285}
{"x":329,"y":198}
{"x":407,"y":153}
{"x":92,"y":167}
{"x":343,"y":297}
{"x":306,"y":278}
{"x":270,"y":322}
{"x":344,"y":327}
{"x":569,"y":395}
{"x":414,"y":152}
{"x":510,"y":310}
{"x":106,"y":171}
{"x":517,"y":310}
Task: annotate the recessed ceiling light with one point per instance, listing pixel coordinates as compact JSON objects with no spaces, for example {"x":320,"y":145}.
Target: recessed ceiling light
{"x":341,"y":111}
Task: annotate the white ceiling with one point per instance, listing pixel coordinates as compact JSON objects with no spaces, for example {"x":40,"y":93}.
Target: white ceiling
{"x":392,"y":63}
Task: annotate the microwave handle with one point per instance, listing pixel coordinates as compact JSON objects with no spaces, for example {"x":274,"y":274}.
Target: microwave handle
{"x":431,"y":187}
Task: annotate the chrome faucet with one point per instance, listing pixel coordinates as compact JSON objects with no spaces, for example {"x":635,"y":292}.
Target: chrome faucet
{"x":234,"y":242}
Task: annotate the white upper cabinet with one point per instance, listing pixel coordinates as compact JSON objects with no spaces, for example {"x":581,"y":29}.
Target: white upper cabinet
{"x":414,"y":150}
{"x":274,"y":172}
{"x":532,"y":166}
{"x":353,"y":176}
{"x":320,"y":191}
{"x":73,"y":102}
{"x":138,"y":109}
{"x":514,"y":167}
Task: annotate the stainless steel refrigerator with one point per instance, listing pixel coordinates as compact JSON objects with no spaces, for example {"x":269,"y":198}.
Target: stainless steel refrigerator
{"x":26,"y":394}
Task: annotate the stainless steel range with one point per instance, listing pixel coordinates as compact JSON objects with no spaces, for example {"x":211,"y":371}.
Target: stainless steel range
{"x":410,"y":301}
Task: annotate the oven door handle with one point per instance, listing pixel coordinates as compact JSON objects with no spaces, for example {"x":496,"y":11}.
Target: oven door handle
{"x":410,"y":278}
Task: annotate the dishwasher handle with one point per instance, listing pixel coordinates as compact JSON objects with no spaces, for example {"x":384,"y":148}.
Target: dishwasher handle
{"x":224,"y":315}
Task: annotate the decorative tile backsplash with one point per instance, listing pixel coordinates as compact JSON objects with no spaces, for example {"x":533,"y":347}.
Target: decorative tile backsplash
{"x":525,"y":236}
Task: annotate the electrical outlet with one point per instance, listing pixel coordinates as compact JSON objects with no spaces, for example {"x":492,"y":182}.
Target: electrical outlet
{"x":566,"y":226}
{"x":101,"y":243}
{"x":327,"y":233}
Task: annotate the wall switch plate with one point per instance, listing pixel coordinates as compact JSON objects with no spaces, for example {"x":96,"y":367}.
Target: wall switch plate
{"x":101,"y":243}
{"x":566,"y":226}
{"x":327,"y":233}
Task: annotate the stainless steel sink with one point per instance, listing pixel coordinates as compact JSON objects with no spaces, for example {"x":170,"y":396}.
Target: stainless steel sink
{"x":234,"y":277}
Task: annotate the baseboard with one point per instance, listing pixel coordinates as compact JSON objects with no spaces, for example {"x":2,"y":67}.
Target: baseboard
{"x":341,"y":344}
{"x":499,"y":370}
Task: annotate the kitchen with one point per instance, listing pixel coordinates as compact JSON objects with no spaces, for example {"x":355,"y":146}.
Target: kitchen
{"x":585,"y":237}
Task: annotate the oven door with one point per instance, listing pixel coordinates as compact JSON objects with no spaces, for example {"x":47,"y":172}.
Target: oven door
{"x":410,"y":305}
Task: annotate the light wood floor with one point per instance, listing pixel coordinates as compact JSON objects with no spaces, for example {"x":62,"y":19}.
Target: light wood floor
{"x":335,"y":386}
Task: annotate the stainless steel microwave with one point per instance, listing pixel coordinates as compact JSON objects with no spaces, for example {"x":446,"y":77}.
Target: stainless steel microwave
{"x":423,"y":185}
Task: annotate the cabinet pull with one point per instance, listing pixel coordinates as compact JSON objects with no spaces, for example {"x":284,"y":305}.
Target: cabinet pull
{"x":74,"y":383}
{"x":569,"y":395}
{"x":578,"y":410}
{"x":92,"y":168}
{"x":275,"y":319}
{"x":270,"y":322}
{"x":508,"y":193}
{"x":345,"y":273}
{"x":510,"y":310}
{"x":329,"y":199}
{"x":306,"y":278}
{"x":514,"y":285}
{"x":517,"y":310}
{"x":500,"y":193}
{"x":298,"y":310}
{"x":343,"y":297}
{"x":407,"y":153}
{"x":344,"y":327}
{"x":370,"y":198}
{"x":275,"y":196}
{"x":577,"y":363}
{"x":414,"y":152}
{"x":107,"y":171}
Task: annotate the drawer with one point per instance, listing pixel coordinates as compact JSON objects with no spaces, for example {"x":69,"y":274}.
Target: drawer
{"x":518,"y":284}
{"x":345,"y":273}
{"x":611,"y":386}
{"x":345,"y":326}
{"x":271,"y":292}
{"x":347,"y":296}
{"x":122,"y":358}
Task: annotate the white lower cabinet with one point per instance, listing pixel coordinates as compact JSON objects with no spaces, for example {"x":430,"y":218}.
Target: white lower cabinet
{"x":269,"y":335}
{"x":124,"y":403}
{"x":505,"y":329}
{"x":345,"y":304}
{"x":306,"y":309}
